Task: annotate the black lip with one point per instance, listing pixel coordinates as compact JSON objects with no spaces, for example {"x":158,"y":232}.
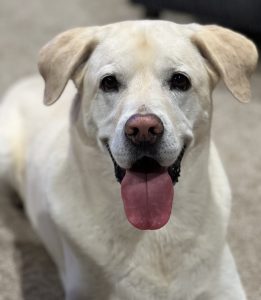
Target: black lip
{"x":119,"y":172}
{"x":147,"y":164}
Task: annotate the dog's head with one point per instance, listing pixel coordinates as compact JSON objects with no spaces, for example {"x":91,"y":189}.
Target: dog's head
{"x":145,"y":91}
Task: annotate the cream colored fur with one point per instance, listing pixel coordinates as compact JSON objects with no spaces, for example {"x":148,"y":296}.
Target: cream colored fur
{"x":55,"y":158}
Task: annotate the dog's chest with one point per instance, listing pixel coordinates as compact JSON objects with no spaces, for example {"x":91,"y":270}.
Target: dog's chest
{"x":152,"y":269}
{"x":139,"y":268}
{"x":147,"y":263}
{"x":133,"y":259}
{"x":143,"y":266}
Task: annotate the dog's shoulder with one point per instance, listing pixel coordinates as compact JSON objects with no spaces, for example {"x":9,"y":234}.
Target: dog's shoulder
{"x":28,"y":127}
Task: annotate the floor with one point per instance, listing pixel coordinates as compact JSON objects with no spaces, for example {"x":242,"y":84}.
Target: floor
{"x":26,"y":271}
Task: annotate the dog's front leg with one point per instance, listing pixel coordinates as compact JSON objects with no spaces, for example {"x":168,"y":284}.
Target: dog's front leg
{"x":82,"y":277}
{"x":76,"y":284}
{"x":227,"y":285}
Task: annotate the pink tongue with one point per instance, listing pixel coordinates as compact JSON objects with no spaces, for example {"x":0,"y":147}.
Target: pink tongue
{"x":147,"y":198}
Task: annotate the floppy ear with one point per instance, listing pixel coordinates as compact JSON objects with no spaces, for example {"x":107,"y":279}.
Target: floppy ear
{"x":232,"y":55}
{"x":60,"y":58}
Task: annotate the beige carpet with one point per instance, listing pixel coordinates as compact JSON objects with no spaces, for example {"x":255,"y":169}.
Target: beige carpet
{"x":26,"y":271}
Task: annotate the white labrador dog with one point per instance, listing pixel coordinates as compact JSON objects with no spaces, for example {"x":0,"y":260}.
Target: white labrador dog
{"x":99,"y":170}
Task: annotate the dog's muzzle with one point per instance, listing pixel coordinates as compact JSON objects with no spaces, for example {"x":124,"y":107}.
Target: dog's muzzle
{"x":147,"y":187}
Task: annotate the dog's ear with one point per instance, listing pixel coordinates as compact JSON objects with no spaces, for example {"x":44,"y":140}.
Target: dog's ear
{"x":232,"y":55}
{"x":62,"y":57}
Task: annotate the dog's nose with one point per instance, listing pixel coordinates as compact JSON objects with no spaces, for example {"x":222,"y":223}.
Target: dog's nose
{"x":142,"y":129}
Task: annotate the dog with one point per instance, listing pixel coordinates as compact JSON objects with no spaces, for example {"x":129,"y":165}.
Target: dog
{"x":120,"y":178}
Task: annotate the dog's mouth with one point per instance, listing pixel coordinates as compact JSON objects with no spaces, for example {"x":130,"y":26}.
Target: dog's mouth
{"x":147,"y":165}
{"x":147,"y":190}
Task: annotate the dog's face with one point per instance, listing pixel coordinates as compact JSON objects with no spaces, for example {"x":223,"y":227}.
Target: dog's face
{"x":146,"y":96}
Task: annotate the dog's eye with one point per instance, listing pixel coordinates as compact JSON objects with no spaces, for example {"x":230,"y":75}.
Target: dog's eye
{"x":110,"y":84}
{"x":179,"y":82}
